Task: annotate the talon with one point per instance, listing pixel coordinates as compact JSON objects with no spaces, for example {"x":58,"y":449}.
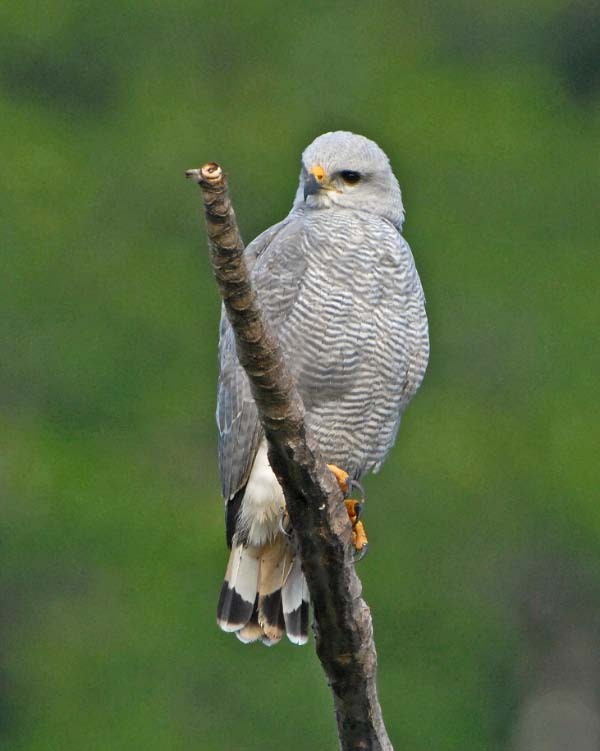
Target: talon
{"x":361,"y":544}
{"x":354,"y":508}
{"x":283,"y":515}
{"x":352,"y":484}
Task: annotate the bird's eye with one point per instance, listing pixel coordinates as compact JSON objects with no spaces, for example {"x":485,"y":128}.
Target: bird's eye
{"x":350,"y":177}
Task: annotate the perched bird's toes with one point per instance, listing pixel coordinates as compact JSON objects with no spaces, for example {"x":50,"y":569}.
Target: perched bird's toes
{"x":354,"y":509}
{"x":342,"y":478}
{"x":359,"y":538}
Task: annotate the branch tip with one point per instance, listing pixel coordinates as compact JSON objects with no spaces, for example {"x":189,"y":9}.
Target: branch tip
{"x":209,"y":174}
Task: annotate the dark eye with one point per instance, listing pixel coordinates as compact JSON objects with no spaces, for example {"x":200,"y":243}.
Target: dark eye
{"x":350,"y":177}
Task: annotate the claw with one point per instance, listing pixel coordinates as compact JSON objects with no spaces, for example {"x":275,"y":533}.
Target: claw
{"x":360,"y":554}
{"x":346,"y":483}
{"x":352,"y":484}
{"x":283,"y":515}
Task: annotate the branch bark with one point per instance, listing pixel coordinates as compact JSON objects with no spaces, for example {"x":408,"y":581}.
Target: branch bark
{"x":343,"y":627}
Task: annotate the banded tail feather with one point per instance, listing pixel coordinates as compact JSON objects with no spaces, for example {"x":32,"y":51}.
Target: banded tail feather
{"x":264,"y":595}
{"x":295,"y":600}
{"x":239,"y":590}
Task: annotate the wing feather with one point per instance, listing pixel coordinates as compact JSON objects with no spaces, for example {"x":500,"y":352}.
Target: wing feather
{"x":240,"y":432}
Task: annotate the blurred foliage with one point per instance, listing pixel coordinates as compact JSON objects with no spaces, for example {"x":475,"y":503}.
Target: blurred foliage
{"x":113,"y":543}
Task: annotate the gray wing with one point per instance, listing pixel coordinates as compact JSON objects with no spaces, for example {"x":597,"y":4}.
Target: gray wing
{"x":237,"y":417}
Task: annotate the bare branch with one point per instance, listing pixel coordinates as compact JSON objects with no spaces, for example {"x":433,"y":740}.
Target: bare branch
{"x":343,"y":627}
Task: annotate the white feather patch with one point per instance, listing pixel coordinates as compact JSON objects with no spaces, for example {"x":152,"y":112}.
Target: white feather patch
{"x":243,"y":575}
{"x":291,"y":594}
{"x":295,"y":601}
{"x":263,"y":501}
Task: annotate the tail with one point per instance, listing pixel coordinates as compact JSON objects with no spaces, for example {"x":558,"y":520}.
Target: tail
{"x":264,"y":594}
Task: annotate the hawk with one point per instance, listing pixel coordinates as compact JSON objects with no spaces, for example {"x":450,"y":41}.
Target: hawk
{"x":338,"y":284}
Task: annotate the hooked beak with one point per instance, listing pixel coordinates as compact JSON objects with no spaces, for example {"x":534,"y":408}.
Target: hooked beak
{"x":311,"y":186}
{"x":315,"y":181}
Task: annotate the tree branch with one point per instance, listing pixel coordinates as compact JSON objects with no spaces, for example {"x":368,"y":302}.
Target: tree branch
{"x":343,"y":627}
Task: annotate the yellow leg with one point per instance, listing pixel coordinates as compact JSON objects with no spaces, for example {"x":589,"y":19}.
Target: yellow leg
{"x":359,"y":537}
{"x":341,"y":477}
{"x":353,"y":512}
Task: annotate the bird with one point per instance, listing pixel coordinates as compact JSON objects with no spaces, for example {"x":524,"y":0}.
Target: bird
{"x":338,"y":284}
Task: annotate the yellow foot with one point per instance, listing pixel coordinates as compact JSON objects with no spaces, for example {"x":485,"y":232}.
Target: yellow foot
{"x":341,"y":477}
{"x":360,"y":539}
{"x":359,"y":536}
{"x":353,"y":507}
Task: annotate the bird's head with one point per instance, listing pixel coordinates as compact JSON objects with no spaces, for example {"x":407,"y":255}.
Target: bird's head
{"x":350,"y":171}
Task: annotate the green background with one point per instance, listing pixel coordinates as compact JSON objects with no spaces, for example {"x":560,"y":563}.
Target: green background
{"x":113,"y":544}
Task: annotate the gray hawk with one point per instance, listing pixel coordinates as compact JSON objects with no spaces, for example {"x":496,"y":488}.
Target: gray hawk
{"x":337,"y":282}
